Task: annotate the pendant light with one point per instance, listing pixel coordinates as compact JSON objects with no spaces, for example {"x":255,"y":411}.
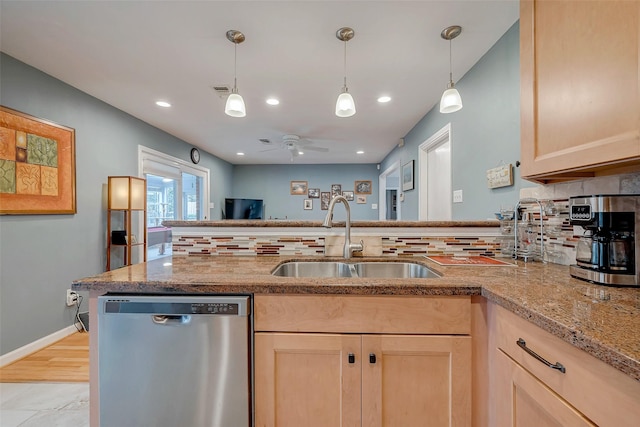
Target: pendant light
{"x":345,"y":105}
{"x":235,"y":104}
{"x":451,"y":100}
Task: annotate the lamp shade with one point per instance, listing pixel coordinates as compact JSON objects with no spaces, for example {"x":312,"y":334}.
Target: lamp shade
{"x":235,"y":106}
{"x":345,"y":105}
{"x":450,"y":101}
{"x":127,"y":192}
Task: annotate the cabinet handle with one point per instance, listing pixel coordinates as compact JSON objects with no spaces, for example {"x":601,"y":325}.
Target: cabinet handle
{"x":352,"y":358}
{"x":372,"y":358}
{"x":523,"y":345}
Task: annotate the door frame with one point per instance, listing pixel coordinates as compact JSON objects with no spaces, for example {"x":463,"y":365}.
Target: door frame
{"x":382,"y":192}
{"x":441,"y":136}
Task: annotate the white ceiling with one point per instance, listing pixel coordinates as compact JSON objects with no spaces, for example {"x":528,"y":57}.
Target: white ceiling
{"x":132,"y":53}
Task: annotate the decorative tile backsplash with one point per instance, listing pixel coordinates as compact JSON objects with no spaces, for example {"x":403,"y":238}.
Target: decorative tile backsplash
{"x":309,"y":246}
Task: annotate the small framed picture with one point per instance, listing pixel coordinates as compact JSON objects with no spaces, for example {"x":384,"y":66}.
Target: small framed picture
{"x":407,"y":176}
{"x":363,"y":187}
{"x":313,"y":193}
{"x":361,"y":199}
{"x":299,"y":188}
{"x":308,"y":204}
{"x":336,"y":190}
{"x":325,"y":198}
{"x":348,"y":195}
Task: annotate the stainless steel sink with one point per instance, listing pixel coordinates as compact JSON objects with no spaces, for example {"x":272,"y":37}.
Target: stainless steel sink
{"x":398,"y":270}
{"x":313,"y":269}
{"x":392,"y":270}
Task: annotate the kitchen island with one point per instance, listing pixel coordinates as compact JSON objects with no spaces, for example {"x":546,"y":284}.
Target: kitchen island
{"x":601,"y":323}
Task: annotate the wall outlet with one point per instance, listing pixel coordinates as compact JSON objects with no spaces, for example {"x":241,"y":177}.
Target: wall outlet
{"x":72,"y":297}
{"x":457,"y":196}
{"x":374,"y":206}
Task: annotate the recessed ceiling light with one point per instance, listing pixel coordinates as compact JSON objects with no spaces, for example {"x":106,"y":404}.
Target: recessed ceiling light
{"x":300,"y":152}
{"x":273,"y":101}
{"x":359,"y":152}
{"x":240,"y":153}
{"x":384,"y":99}
{"x":164,"y":104}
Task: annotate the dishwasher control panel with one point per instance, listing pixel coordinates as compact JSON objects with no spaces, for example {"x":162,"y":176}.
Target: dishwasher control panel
{"x":214,"y":308}
{"x":164,"y":307}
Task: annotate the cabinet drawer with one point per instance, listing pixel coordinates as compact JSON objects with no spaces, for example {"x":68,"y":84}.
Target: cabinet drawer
{"x":604,"y":394}
{"x":363,"y":314}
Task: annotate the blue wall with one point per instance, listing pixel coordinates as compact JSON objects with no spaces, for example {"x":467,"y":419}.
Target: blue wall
{"x":272,"y":184}
{"x":40,"y":255}
{"x":485,"y":133}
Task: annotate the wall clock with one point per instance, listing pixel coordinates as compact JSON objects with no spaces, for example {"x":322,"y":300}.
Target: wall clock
{"x":195,"y":155}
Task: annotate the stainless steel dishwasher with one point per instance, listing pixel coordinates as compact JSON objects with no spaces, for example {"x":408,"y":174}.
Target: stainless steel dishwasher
{"x":174,"y":361}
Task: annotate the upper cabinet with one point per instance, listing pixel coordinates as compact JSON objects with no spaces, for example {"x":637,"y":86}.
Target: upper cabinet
{"x":580,"y":88}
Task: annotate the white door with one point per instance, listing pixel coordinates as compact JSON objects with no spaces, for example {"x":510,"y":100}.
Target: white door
{"x":435,"y":186}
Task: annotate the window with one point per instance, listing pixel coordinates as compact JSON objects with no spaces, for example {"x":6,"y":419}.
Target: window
{"x":176,"y":190}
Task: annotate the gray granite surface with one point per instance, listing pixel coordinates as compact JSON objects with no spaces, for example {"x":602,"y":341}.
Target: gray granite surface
{"x":603,"y":321}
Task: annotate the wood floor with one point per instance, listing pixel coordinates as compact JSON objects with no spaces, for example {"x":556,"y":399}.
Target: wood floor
{"x":64,"y":361}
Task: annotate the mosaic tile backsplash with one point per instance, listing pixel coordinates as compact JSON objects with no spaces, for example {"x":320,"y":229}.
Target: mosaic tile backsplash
{"x":559,"y":238}
{"x":305,"y":246}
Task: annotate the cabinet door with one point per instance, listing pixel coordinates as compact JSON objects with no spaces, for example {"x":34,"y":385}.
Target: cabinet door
{"x":307,"y":380}
{"x":524,"y":401}
{"x":416,"y":381}
{"x":580,"y":91}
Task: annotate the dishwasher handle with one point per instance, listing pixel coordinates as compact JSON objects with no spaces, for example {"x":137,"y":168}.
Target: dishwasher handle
{"x":160,"y":319}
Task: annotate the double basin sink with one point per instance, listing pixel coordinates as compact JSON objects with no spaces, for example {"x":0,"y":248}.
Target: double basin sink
{"x":370,"y":269}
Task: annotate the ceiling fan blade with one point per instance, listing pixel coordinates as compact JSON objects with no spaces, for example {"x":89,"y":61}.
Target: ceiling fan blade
{"x":270,"y":149}
{"x":312,"y":148}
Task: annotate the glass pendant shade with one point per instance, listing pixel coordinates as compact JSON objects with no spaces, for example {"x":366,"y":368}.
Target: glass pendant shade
{"x":450,"y":101}
{"x":345,"y":105}
{"x":235,"y":105}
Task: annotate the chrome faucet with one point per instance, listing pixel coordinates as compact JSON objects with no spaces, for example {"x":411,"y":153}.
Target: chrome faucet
{"x":348,"y":246}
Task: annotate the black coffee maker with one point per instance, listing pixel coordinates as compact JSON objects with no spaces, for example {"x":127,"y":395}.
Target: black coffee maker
{"x":607,"y":252}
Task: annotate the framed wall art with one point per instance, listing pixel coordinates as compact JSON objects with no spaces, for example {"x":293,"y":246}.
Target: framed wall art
{"x":299,"y":188}
{"x":336,"y":190}
{"x":361,"y":199}
{"x":325,"y":198}
{"x":37,"y":165}
{"x":363,"y":187}
{"x":348,"y":195}
{"x":407,"y":176}
{"x":308,"y":204}
{"x":313,"y":193}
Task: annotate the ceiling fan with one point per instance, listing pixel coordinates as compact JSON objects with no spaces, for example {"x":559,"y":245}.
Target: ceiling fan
{"x":296,"y":146}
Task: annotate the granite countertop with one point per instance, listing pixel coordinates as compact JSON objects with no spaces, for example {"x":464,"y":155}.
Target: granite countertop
{"x":603,"y":321}
{"x":300,"y":223}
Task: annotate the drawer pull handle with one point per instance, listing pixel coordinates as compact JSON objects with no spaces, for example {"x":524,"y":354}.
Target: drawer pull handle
{"x":523,"y":345}
{"x":372,"y":358}
{"x":352,"y":358}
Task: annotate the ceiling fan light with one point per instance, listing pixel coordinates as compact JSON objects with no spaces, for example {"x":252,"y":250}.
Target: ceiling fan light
{"x":345,"y":105}
{"x":450,"y":101}
{"x":235,"y":106}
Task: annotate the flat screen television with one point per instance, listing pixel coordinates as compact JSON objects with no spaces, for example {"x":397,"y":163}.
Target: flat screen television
{"x":243,"y":208}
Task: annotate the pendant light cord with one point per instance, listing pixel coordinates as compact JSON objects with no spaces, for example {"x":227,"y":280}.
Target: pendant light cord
{"x":235,"y":67}
{"x":450,"y":64}
{"x":345,"y":64}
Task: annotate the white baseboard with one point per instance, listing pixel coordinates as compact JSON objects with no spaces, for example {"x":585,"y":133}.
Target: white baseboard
{"x":32,"y":347}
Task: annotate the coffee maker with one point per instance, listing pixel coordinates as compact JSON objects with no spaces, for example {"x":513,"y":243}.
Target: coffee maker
{"x":608,"y":253}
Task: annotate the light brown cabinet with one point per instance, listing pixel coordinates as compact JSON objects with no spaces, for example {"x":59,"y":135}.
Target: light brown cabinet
{"x":580,"y":88}
{"x":313,"y":378}
{"x":527,"y":402}
{"x":526,"y":392}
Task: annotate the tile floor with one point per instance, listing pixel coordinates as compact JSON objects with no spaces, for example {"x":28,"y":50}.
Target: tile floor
{"x":44,"y":404}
